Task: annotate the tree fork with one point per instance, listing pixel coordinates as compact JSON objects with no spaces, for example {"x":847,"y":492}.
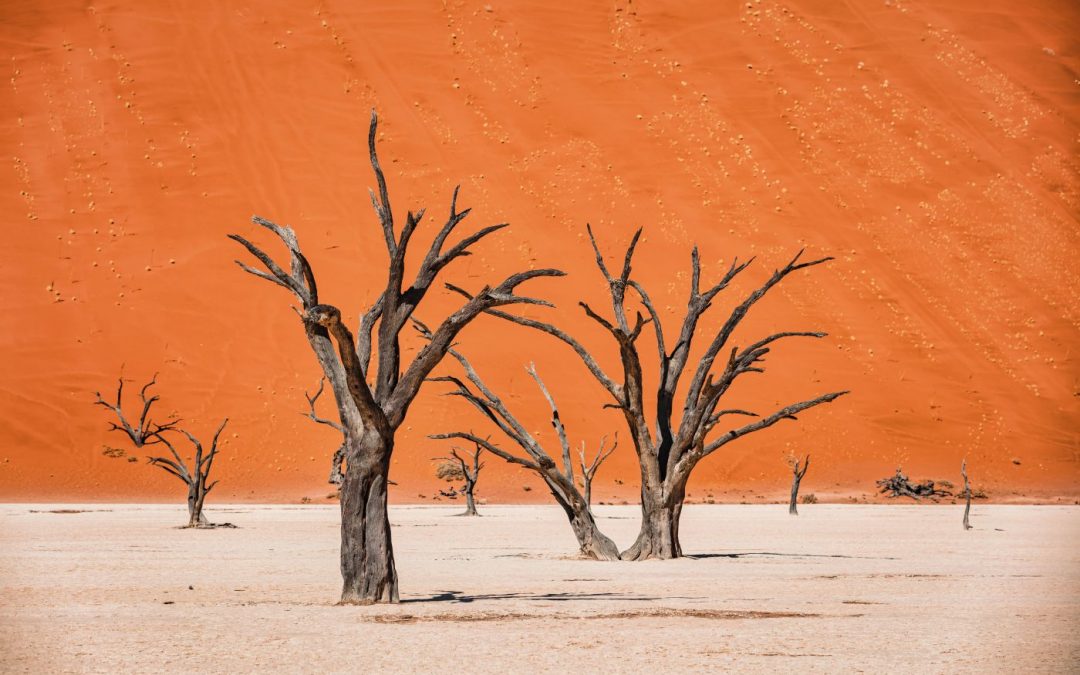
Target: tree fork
{"x":372,"y":406}
{"x":670,"y":447}
{"x":592,"y":542}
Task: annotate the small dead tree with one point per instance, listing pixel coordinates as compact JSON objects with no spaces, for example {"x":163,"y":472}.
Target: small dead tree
{"x":899,"y":485}
{"x":146,"y":430}
{"x":589,"y":469}
{"x":561,"y":483}
{"x":670,"y":446}
{"x":967,"y":494}
{"x":455,"y":467}
{"x":373,"y":402}
{"x":196,"y":477}
{"x":337,"y":475}
{"x":797,"y":474}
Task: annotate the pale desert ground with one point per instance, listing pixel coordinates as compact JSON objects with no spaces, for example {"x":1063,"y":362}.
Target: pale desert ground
{"x":840,"y":588}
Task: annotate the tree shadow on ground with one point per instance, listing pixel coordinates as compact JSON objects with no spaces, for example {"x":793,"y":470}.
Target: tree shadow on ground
{"x":458,"y":597}
{"x":767,"y":554}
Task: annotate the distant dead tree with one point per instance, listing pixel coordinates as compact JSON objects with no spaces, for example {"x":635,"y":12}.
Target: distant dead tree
{"x":196,"y":477}
{"x":145,"y":431}
{"x":560,"y":481}
{"x":967,"y":494}
{"x":899,"y":485}
{"x":455,"y":467}
{"x":589,"y":469}
{"x":337,"y":476}
{"x":668,"y":458}
{"x":372,"y":403}
{"x":796,"y":478}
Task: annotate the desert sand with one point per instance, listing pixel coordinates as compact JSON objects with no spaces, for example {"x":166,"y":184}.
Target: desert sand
{"x":837,"y":589}
{"x":929,"y":146}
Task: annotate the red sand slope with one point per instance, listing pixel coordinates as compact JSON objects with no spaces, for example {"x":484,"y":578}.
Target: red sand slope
{"x":930,"y":146}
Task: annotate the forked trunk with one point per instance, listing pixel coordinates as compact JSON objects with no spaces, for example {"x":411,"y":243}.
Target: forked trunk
{"x":367,"y":555}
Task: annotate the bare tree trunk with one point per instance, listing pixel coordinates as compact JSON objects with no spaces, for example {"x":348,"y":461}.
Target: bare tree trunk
{"x":470,"y":501}
{"x":967,"y":494}
{"x":659,"y":535}
{"x":194,"y":507}
{"x":594,"y":543}
{"x":367,"y":555}
{"x":587,"y":494}
{"x":797,"y":474}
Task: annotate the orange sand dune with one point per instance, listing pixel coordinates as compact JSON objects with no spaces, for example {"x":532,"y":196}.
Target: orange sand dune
{"x":930,"y":146}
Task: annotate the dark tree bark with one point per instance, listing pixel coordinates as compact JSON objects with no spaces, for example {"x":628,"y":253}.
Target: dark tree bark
{"x":796,"y":478}
{"x":197,"y":476}
{"x":669,"y":447}
{"x":469,"y":474}
{"x":146,"y":432}
{"x":589,"y":469}
{"x":143,"y":433}
{"x":373,"y":401}
{"x":898,"y":485}
{"x":967,"y":494}
{"x":593,"y":543}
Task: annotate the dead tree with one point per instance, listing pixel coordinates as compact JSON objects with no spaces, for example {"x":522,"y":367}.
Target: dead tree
{"x":337,"y":475}
{"x":454,"y":467}
{"x":145,"y":432}
{"x":589,"y":469}
{"x":899,"y":485}
{"x":372,"y":402}
{"x":196,"y":476}
{"x":796,"y":478}
{"x":967,"y":494}
{"x":668,"y":451}
{"x":560,"y":481}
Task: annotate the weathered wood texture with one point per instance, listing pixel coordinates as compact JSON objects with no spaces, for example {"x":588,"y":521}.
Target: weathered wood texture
{"x":899,"y":485}
{"x":668,"y":445}
{"x":373,"y":399}
{"x":559,"y":480}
